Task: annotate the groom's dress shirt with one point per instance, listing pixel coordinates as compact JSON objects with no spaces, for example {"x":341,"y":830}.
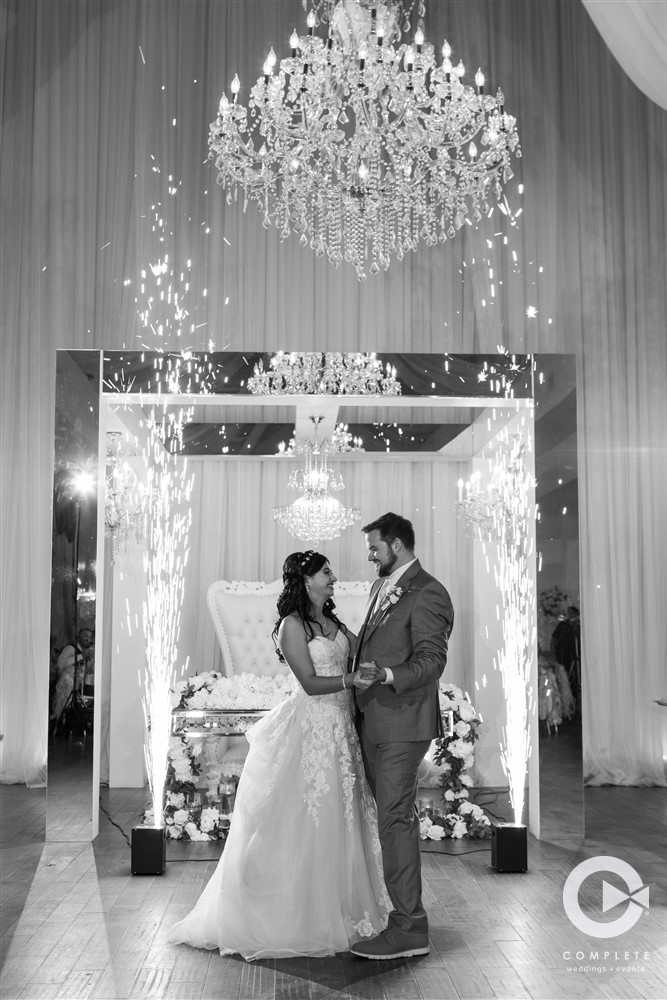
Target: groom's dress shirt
{"x":390,"y":581}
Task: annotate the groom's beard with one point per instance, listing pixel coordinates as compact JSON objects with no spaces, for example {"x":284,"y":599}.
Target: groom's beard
{"x":387,"y":568}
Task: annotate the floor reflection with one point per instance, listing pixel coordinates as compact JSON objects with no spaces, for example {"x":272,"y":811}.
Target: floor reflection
{"x":70,"y":789}
{"x":561,"y":782}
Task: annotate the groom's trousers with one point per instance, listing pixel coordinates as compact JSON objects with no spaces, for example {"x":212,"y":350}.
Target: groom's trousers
{"x":391,"y":769}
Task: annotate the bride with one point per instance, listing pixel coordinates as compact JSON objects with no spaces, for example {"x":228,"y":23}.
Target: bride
{"x":301,"y":871}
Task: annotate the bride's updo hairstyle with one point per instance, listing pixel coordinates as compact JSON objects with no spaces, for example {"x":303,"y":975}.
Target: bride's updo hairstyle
{"x":294,"y":596}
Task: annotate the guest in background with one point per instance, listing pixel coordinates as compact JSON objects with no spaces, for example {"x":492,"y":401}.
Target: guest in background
{"x":565,"y":645}
{"x":550,"y":707}
{"x":73,"y":667}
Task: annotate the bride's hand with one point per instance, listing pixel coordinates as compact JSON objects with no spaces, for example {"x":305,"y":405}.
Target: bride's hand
{"x":366,"y":676}
{"x":362,"y":683}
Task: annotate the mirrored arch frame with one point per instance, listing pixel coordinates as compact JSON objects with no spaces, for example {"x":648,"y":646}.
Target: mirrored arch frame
{"x":453,"y":390}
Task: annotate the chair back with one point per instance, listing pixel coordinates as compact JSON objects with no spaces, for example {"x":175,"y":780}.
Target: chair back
{"x":244,"y":616}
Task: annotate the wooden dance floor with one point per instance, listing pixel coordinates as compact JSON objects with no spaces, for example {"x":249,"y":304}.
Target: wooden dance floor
{"x":76,"y":924}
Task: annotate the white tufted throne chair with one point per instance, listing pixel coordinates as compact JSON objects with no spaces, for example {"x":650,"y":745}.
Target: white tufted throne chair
{"x":244,"y":616}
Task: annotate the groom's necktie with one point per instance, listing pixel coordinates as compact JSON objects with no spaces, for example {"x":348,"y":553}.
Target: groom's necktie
{"x":369,"y":614}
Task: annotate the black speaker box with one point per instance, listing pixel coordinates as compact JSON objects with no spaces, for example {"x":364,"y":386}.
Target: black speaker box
{"x":149,"y":850}
{"x":509,"y":847}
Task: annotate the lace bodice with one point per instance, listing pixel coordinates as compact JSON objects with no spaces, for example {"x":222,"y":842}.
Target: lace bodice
{"x":329,"y":656}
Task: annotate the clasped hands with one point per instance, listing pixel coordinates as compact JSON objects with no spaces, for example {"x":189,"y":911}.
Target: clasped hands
{"x":367,"y":674}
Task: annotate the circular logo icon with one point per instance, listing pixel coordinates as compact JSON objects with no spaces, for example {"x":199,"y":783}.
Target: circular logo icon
{"x":636,"y":897}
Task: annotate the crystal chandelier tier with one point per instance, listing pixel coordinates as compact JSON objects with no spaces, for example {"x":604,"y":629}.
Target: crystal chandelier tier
{"x":307,"y":373}
{"x":315,"y":515}
{"x":362,"y":144}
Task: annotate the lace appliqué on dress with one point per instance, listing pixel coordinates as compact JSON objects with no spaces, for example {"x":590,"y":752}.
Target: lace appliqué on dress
{"x":328,"y":732}
{"x":361,"y":928}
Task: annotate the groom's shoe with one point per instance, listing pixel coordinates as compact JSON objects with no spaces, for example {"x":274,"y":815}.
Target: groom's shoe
{"x":392,"y":943}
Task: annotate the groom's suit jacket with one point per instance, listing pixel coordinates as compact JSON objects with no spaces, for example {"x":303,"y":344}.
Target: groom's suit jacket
{"x":410,"y":637}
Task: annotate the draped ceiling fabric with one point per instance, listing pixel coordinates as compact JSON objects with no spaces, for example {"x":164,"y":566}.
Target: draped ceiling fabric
{"x":105,"y":111}
{"x":636,"y":33}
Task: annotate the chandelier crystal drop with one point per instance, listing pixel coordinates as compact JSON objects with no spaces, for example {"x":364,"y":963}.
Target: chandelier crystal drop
{"x":315,"y":515}
{"x":362,"y":144}
{"x":307,"y":372}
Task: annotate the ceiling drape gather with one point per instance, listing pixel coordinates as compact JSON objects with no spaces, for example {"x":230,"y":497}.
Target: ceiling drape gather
{"x":105,"y":112}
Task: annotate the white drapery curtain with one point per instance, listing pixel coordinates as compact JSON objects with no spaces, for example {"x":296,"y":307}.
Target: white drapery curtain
{"x":234,"y":537}
{"x":636,"y":33}
{"x":105,"y":110}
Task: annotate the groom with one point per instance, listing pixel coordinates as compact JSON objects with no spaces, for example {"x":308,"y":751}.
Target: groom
{"x":402,"y":648}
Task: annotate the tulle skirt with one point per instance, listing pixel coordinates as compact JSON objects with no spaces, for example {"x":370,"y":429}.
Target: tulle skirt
{"x":301,"y":870}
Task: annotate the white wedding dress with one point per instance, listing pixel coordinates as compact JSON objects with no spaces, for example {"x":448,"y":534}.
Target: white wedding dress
{"x":301,"y":871}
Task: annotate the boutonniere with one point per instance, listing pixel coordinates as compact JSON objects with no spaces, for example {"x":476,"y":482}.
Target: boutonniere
{"x":391,"y":596}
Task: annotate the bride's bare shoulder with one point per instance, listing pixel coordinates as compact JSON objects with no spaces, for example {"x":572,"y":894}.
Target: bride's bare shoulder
{"x":292,"y":625}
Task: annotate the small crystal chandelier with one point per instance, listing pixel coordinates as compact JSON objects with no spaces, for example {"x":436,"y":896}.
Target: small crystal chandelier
{"x":304,"y":373}
{"x":362,"y":144}
{"x":125,"y":499}
{"x":315,"y":515}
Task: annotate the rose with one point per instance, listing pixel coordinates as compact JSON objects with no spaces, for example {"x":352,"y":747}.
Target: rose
{"x":198,"y":700}
{"x":465,"y":779}
{"x":425,"y":823}
{"x":459,"y":748}
{"x":174,"y":831}
{"x":176,"y":799}
{"x":194,"y":833}
{"x":462,"y":728}
{"x":435,"y":832}
{"x":459,"y":828}
{"x":466,"y":711}
{"x":183,"y":772}
{"x":449,"y":795}
{"x":208,"y":819}
{"x":181,"y":817}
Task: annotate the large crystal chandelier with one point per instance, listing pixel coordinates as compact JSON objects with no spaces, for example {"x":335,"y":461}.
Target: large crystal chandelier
{"x":307,"y":372}
{"x":315,"y":515}
{"x":361,"y":143}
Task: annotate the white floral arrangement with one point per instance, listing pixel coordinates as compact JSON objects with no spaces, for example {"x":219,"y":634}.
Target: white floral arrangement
{"x":185,"y":822}
{"x":455,"y":758}
{"x":187,"y":816}
{"x":240,"y":691}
